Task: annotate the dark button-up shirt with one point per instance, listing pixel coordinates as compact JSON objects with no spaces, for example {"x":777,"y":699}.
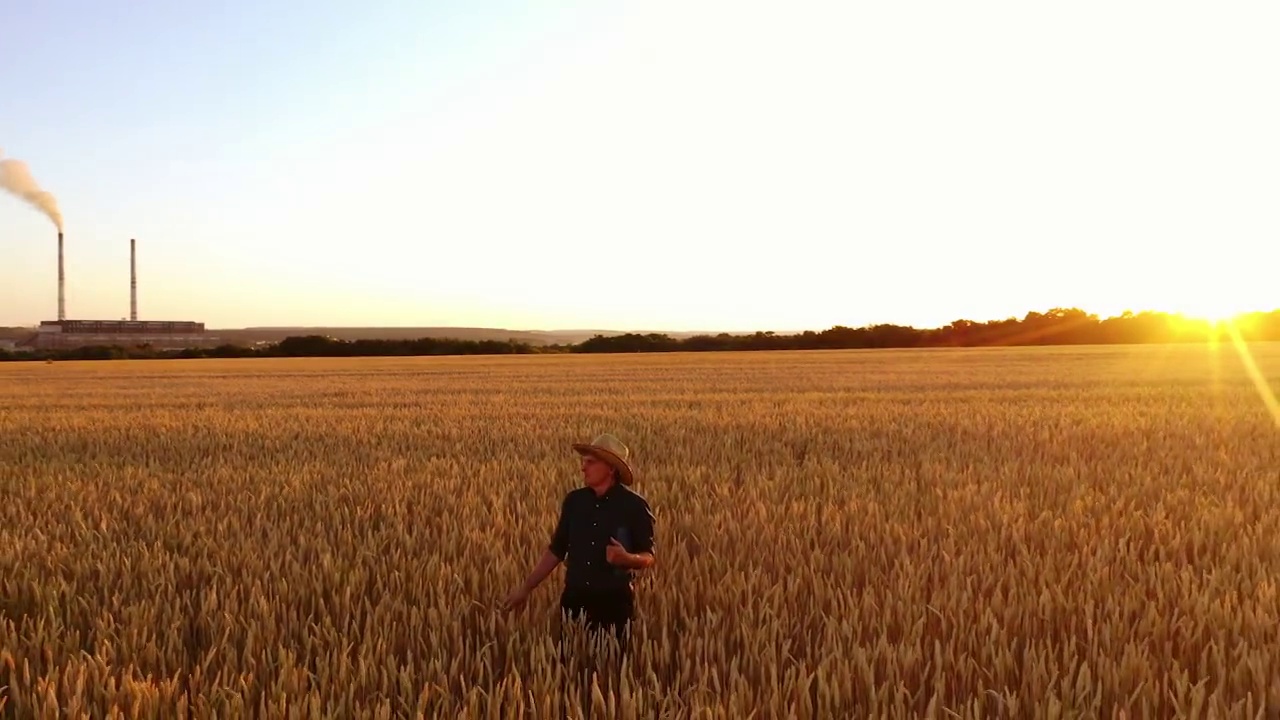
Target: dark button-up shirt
{"x":587,"y":523}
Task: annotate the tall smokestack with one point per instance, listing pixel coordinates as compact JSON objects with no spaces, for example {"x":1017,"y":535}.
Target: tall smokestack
{"x":62,"y":284}
{"x":133,"y":281}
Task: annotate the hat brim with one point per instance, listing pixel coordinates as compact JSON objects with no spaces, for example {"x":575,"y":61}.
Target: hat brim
{"x":609,"y":457}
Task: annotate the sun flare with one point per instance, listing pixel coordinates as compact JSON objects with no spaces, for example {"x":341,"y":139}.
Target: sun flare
{"x":1210,"y":310}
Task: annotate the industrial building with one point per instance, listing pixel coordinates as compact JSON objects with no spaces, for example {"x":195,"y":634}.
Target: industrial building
{"x":174,"y":335}
{"x":158,"y":334}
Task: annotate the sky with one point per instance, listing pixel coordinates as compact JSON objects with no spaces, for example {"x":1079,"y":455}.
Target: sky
{"x":651,"y":165}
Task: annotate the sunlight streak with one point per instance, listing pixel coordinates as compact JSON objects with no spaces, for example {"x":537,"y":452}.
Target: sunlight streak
{"x":1251,"y":367}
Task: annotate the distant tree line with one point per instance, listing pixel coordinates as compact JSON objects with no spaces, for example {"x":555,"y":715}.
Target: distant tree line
{"x":1059,"y":326}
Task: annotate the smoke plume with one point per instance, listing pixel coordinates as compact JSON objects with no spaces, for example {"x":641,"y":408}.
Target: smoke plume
{"x":16,"y":178}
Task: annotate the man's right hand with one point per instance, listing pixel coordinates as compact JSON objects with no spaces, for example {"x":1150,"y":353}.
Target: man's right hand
{"x":516,"y":599}
{"x":520,"y":595}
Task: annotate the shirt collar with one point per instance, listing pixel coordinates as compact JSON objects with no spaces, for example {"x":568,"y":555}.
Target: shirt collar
{"x":613,"y":491}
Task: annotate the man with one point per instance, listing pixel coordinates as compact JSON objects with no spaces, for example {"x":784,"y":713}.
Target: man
{"x":606,"y":532}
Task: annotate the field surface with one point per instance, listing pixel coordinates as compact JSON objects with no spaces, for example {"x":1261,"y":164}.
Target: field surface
{"x":1083,"y":532}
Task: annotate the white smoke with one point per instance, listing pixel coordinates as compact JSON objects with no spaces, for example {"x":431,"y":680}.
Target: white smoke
{"x":16,"y":178}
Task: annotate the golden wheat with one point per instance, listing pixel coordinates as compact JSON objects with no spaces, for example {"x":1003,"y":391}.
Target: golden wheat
{"x":1086,"y":532}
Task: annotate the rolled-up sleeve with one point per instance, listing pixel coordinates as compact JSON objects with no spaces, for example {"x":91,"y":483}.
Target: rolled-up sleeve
{"x":559,"y":545}
{"x":643,"y":540}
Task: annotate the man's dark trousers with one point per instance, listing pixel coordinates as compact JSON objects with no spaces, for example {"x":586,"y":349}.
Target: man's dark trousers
{"x":610,"y":610}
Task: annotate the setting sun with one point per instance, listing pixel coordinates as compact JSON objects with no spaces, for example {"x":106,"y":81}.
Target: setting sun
{"x":1211,"y":314}
{"x":1213,"y":307}
{"x":1193,"y":291}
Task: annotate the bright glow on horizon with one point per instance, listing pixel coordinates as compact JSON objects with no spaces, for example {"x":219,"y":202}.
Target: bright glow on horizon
{"x":647,"y":166}
{"x":1213,"y":313}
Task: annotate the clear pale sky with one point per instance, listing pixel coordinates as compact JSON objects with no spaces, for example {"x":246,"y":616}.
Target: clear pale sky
{"x":641,"y":165}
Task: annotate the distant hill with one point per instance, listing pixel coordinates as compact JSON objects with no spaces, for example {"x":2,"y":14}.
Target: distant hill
{"x":16,"y":333}
{"x":532,"y":337}
{"x":245,"y":336}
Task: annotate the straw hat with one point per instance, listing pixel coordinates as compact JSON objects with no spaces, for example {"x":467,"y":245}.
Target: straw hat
{"x":610,"y":450}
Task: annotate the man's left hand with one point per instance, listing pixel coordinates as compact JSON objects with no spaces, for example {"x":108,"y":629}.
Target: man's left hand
{"x":616,"y":554}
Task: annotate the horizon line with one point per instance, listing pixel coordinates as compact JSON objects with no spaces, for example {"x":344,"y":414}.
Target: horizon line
{"x":1189,"y":317}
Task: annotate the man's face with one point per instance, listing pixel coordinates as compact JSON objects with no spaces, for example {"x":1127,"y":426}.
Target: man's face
{"x":595,"y":472}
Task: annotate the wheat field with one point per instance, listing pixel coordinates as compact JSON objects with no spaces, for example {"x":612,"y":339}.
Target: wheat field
{"x":1030,"y":532}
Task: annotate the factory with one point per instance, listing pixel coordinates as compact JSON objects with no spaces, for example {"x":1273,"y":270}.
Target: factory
{"x":158,"y":334}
